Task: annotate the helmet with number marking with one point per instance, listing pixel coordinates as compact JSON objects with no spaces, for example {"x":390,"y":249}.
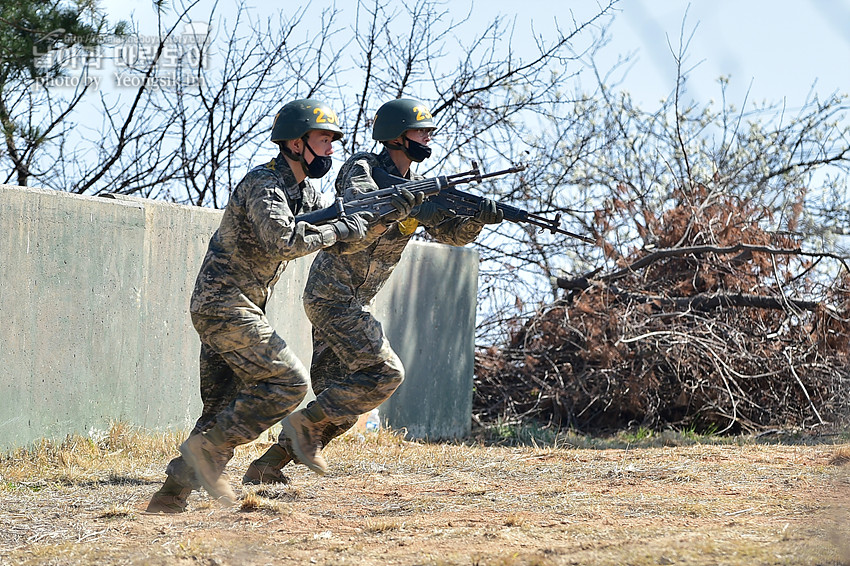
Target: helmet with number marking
{"x":396,"y":116}
{"x":298,"y":117}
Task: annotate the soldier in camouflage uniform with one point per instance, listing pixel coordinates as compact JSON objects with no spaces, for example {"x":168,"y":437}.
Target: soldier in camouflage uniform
{"x":249,"y":378}
{"x":354,"y":369}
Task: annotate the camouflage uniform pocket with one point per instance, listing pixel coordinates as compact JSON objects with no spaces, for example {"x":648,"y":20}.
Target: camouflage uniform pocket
{"x":229,"y":334}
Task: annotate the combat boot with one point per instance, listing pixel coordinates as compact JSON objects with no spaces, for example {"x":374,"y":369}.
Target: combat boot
{"x":267,"y":468}
{"x":172,"y":497}
{"x":304,"y":430}
{"x":208,"y":456}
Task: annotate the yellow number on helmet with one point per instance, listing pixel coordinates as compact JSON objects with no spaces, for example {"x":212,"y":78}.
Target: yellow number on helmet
{"x":422,"y":113}
{"x":325,"y":116}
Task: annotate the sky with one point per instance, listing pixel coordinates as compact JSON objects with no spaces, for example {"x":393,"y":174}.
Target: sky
{"x":771,"y":50}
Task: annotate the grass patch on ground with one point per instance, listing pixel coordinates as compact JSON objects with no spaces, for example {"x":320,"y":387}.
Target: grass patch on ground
{"x":503,"y":496}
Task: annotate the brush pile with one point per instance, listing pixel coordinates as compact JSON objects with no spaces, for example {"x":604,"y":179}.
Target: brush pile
{"x":714,"y":325}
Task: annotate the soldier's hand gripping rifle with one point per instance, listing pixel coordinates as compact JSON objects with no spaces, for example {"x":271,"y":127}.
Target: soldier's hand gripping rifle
{"x":378,"y":203}
{"x":460,"y":203}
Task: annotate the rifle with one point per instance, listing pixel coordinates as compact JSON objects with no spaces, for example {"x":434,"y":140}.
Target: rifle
{"x":378,"y":202}
{"x":466,"y":204}
{"x":461,"y":203}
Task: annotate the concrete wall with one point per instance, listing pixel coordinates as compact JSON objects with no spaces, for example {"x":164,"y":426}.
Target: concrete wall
{"x":94,"y":323}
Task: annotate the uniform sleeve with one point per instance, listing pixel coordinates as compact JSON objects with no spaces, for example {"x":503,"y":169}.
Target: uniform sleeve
{"x":274,"y":223}
{"x":356,"y":182}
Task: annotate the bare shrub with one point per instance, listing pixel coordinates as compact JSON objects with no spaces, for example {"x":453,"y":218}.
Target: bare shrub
{"x":722,"y":328}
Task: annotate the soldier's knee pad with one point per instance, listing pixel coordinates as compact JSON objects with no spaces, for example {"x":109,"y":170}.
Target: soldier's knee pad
{"x":288,"y":384}
{"x":396,"y":365}
{"x":392,"y":371}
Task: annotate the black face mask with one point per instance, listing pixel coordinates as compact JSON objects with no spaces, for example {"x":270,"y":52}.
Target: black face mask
{"x":416,"y":151}
{"x":319,"y":166}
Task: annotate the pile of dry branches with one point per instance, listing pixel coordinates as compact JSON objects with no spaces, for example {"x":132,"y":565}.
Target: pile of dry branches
{"x":715,"y":325}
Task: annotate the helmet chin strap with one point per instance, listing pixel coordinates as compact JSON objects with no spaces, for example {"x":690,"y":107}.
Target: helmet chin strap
{"x":304,"y":163}
{"x":299,"y":157}
{"x":403,"y":147}
{"x":395,"y":146}
{"x":402,"y":167}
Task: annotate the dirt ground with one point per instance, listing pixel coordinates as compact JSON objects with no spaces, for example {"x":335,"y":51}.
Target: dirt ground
{"x":387,"y":501}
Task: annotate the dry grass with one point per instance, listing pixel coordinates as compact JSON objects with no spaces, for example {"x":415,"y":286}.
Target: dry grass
{"x":841,"y":456}
{"x":655,"y":500}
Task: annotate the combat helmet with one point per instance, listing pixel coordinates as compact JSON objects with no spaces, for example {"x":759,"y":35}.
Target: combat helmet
{"x":396,"y":116}
{"x":298,"y":117}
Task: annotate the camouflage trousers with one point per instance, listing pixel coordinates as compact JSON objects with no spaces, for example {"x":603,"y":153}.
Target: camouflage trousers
{"x":250,"y":379}
{"x":353,"y":369}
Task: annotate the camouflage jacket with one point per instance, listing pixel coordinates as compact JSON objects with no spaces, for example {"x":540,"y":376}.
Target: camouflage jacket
{"x":257,"y":237}
{"x":355,"y":272}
